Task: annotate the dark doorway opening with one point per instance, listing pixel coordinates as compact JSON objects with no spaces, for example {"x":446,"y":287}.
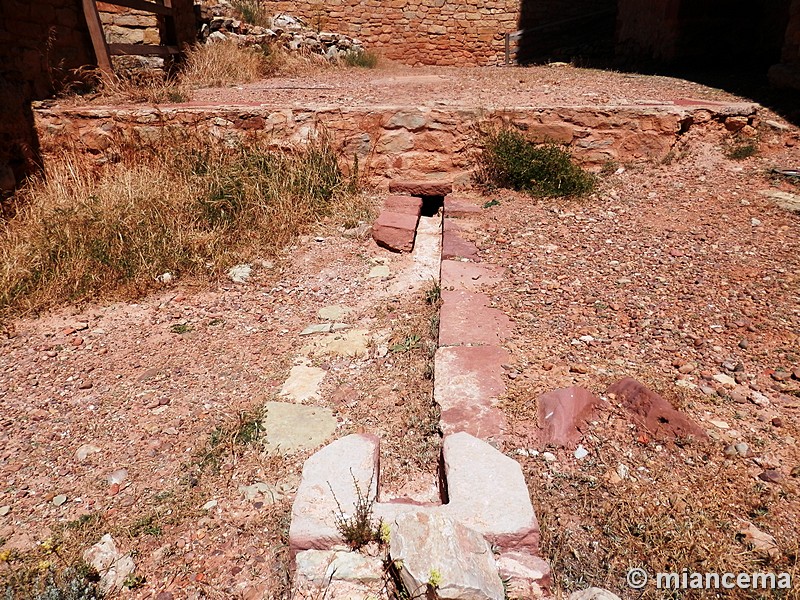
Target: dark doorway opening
{"x":431,"y":205}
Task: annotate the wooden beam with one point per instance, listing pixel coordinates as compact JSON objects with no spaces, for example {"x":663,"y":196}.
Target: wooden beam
{"x":98,"y":36}
{"x":143,"y":5}
{"x":183,"y":20}
{"x":142,"y":50}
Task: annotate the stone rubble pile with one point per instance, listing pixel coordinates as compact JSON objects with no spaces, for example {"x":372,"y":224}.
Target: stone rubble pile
{"x":291,"y":33}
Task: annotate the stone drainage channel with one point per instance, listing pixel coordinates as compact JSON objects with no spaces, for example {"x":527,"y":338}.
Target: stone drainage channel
{"x":482,"y":540}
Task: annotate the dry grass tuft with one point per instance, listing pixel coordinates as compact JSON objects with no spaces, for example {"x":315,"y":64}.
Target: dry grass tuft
{"x":219,"y":64}
{"x":187,"y":209}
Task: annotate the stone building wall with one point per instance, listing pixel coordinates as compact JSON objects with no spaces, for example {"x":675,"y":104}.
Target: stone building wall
{"x":126,"y":26}
{"x":439,"y":32}
{"x":40,"y":44}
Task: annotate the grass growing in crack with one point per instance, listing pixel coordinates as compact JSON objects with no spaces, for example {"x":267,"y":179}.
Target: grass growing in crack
{"x":511,"y":160}
{"x":433,"y":293}
{"x":407,"y":344}
{"x":227,"y":439}
{"x":182,"y":206}
{"x":358,"y":529}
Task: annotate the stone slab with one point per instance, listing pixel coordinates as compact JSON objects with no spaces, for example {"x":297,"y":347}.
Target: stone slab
{"x":459,"y":275}
{"x":488,"y":493}
{"x":454,"y":246}
{"x":469,"y":375}
{"x":351,"y":344}
{"x":467,"y":318}
{"x":294,"y":427}
{"x":395,"y":231}
{"x":303,"y":382}
{"x":406,"y":205}
{"x":654,"y":413}
{"x":442,"y":558}
{"x":483,"y":422}
{"x":331,"y":475}
{"x":459,"y":207}
{"x":320,"y":567}
{"x":526,"y":575}
{"x":427,"y":253}
{"x":563,"y":414}
{"x":421,"y":188}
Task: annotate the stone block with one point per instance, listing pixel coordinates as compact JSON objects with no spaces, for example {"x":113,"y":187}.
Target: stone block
{"x":320,"y":567}
{"x":454,"y":246}
{"x":488,"y":493}
{"x":467,"y":318}
{"x":460,"y":207}
{"x":329,"y":476}
{"x":471,"y":277}
{"x":562,"y":415}
{"x":405,"y":205}
{"x":421,"y":188}
{"x":395,"y":231}
{"x":440,"y":555}
{"x":526,"y":576}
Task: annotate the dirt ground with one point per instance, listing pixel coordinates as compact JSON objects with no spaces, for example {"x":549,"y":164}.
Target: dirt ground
{"x":672,"y":273}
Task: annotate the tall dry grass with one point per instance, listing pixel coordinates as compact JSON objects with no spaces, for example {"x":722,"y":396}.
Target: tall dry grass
{"x":192,"y":209}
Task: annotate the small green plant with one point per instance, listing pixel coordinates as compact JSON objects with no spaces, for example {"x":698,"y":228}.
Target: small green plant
{"x":145,"y":526}
{"x":181,"y":328}
{"x":249,"y":428}
{"x":411,"y":342}
{"x":358,"y":529}
{"x":252,"y":12}
{"x":133,"y":582}
{"x":491,"y":203}
{"x":741,"y":150}
{"x":384,"y":533}
{"x":433,"y":293}
{"x":511,"y":160}
{"x":434,"y":578}
{"x":360,"y":58}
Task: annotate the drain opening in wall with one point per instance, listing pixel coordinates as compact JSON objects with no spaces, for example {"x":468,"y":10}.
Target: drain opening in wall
{"x":431,"y":205}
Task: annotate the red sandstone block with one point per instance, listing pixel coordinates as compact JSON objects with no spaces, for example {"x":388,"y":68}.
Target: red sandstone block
{"x":467,"y":318}
{"x":459,"y":207}
{"x":421,"y":188}
{"x":454,"y":246}
{"x":405,"y":205}
{"x":457,"y":275}
{"x":395,"y":231}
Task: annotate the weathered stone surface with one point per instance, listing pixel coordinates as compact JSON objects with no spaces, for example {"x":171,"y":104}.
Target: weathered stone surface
{"x":334,"y":470}
{"x":454,"y":246}
{"x":112,"y":565}
{"x":562,"y":415}
{"x":352,"y":343}
{"x":405,"y":205}
{"x":438,"y":552}
{"x":323,"y":566}
{"x":467,"y":384}
{"x":293,"y":427}
{"x":654,"y":413}
{"x":488,"y":493}
{"x":303,"y":382}
{"x":421,"y":188}
{"x":395,"y":231}
{"x":594,"y":593}
{"x":335,"y":312}
{"x":427,"y":257}
{"x":467,"y":318}
{"x":460,"y":207}
{"x":526,"y":575}
{"x":458,"y":275}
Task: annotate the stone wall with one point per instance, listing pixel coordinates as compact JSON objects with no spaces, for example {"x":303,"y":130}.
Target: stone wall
{"x":415,"y":31}
{"x":40,"y":43}
{"x":392,"y":142}
{"x":126,"y":26}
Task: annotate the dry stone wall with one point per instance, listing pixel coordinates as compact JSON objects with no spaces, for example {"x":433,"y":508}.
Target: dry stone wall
{"x":127,"y":26}
{"x":416,"y":31}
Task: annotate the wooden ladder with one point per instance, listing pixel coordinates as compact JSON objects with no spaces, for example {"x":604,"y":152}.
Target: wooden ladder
{"x":176,"y":23}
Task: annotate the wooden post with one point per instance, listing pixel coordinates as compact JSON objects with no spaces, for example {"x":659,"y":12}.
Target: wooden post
{"x":184,"y":22}
{"x":508,"y":48}
{"x":98,"y":37}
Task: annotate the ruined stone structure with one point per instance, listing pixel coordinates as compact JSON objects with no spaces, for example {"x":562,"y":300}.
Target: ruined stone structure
{"x":432,"y":32}
{"x":40,"y":44}
{"x":127,"y":26}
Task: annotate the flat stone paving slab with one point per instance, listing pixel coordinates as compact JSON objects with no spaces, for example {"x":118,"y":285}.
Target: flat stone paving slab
{"x":395,"y":231}
{"x":468,"y":276}
{"x":436,"y":551}
{"x":467,"y":318}
{"x":454,"y":246}
{"x":459,"y":207}
{"x":488,"y":493}
{"x":294,"y":427}
{"x":303,"y":382}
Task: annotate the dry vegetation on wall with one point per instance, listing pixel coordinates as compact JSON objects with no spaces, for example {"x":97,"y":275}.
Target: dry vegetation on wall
{"x":185,"y":208}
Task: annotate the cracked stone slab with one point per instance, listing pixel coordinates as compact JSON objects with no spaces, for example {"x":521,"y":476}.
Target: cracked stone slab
{"x":291,"y":428}
{"x":438,"y":552}
{"x":322,"y":566}
{"x":303,"y":383}
{"x":407,"y":205}
{"x":353,"y":343}
{"x":454,"y":246}
{"x":426,"y":258}
{"x":467,"y":318}
{"x":470,"y":277}
{"x":395,"y":231}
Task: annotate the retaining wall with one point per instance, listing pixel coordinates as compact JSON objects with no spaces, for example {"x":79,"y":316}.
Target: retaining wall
{"x":395,"y":141}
